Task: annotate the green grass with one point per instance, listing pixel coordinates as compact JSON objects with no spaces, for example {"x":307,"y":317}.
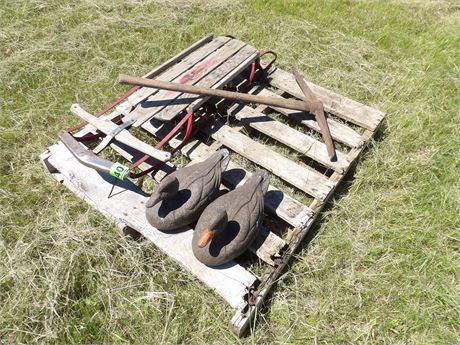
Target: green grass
{"x":383,"y":266}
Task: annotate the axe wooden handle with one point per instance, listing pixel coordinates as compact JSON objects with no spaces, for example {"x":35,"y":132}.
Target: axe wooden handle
{"x":316,"y":107}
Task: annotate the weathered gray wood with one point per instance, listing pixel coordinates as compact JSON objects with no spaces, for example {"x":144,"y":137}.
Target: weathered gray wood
{"x":339,"y":132}
{"x":341,"y":106}
{"x":107,"y":126}
{"x":296,"y":140}
{"x":306,"y":179}
{"x":162,"y":98}
{"x":210,"y":80}
{"x":267,"y":246}
{"x":123,"y":202}
{"x":187,"y":63}
{"x":278,"y":203}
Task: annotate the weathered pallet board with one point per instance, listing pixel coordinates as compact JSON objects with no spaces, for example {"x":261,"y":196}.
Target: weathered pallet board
{"x":336,"y":104}
{"x":339,"y":131}
{"x":306,"y":179}
{"x":292,"y":138}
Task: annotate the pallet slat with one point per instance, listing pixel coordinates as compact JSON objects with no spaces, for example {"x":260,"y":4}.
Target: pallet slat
{"x":343,"y":107}
{"x":307,"y":180}
{"x":339,"y":132}
{"x":267,"y":246}
{"x":123,"y":202}
{"x":290,"y":137}
{"x":153,"y":104}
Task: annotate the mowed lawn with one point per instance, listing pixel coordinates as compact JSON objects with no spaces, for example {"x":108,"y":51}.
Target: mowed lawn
{"x":383,"y":264}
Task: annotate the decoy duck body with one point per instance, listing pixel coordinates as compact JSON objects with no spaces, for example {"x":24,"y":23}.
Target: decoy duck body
{"x":229,"y":225}
{"x":181,"y":196}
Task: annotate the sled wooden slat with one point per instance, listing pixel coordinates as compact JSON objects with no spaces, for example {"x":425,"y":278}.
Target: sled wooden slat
{"x":278,"y":203}
{"x":153,"y":104}
{"x":184,"y":65}
{"x":221,"y":83}
{"x":339,"y":131}
{"x":334,"y":103}
{"x":123,"y":202}
{"x":305,"y":179}
{"x":290,"y":137}
{"x":245,"y":56}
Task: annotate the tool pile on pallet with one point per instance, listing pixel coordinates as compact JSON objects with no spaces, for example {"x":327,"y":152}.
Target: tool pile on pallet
{"x":214,"y":95}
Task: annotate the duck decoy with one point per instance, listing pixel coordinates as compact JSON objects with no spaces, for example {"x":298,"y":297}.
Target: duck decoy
{"x":181,"y":196}
{"x":229,"y":225}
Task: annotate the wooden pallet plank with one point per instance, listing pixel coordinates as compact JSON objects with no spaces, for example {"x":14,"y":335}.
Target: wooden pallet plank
{"x":187,"y":63}
{"x":305,"y":179}
{"x":267,"y":246}
{"x":246,"y":54}
{"x":153,"y":104}
{"x":123,"y":202}
{"x":278,"y":203}
{"x":339,"y":131}
{"x":290,"y":137}
{"x":343,"y":107}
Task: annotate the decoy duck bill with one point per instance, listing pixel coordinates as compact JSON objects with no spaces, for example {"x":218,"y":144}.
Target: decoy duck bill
{"x":205,"y":238}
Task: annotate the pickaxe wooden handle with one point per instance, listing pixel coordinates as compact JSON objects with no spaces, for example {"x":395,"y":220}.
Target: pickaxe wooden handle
{"x":315,"y":107}
{"x":204,"y":91}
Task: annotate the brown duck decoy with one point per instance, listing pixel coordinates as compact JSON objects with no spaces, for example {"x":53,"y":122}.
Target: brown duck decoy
{"x":229,"y":225}
{"x":181,"y":196}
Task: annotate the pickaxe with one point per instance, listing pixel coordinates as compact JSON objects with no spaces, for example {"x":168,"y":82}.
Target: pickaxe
{"x":309,"y":104}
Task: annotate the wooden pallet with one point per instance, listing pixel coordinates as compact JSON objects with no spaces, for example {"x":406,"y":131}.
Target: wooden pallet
{"x":215,"y":62}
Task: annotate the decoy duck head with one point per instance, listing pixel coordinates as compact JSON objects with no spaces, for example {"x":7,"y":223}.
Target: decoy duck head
{"x":216,"y":225}
{"x":167,"y":189}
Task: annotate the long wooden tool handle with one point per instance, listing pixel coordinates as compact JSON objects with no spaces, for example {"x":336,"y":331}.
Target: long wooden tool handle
{"x":317,"y":109}
{"x":204,"y":91}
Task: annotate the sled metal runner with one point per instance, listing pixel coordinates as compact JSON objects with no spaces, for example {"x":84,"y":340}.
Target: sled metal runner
{"x":252,"y":133}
